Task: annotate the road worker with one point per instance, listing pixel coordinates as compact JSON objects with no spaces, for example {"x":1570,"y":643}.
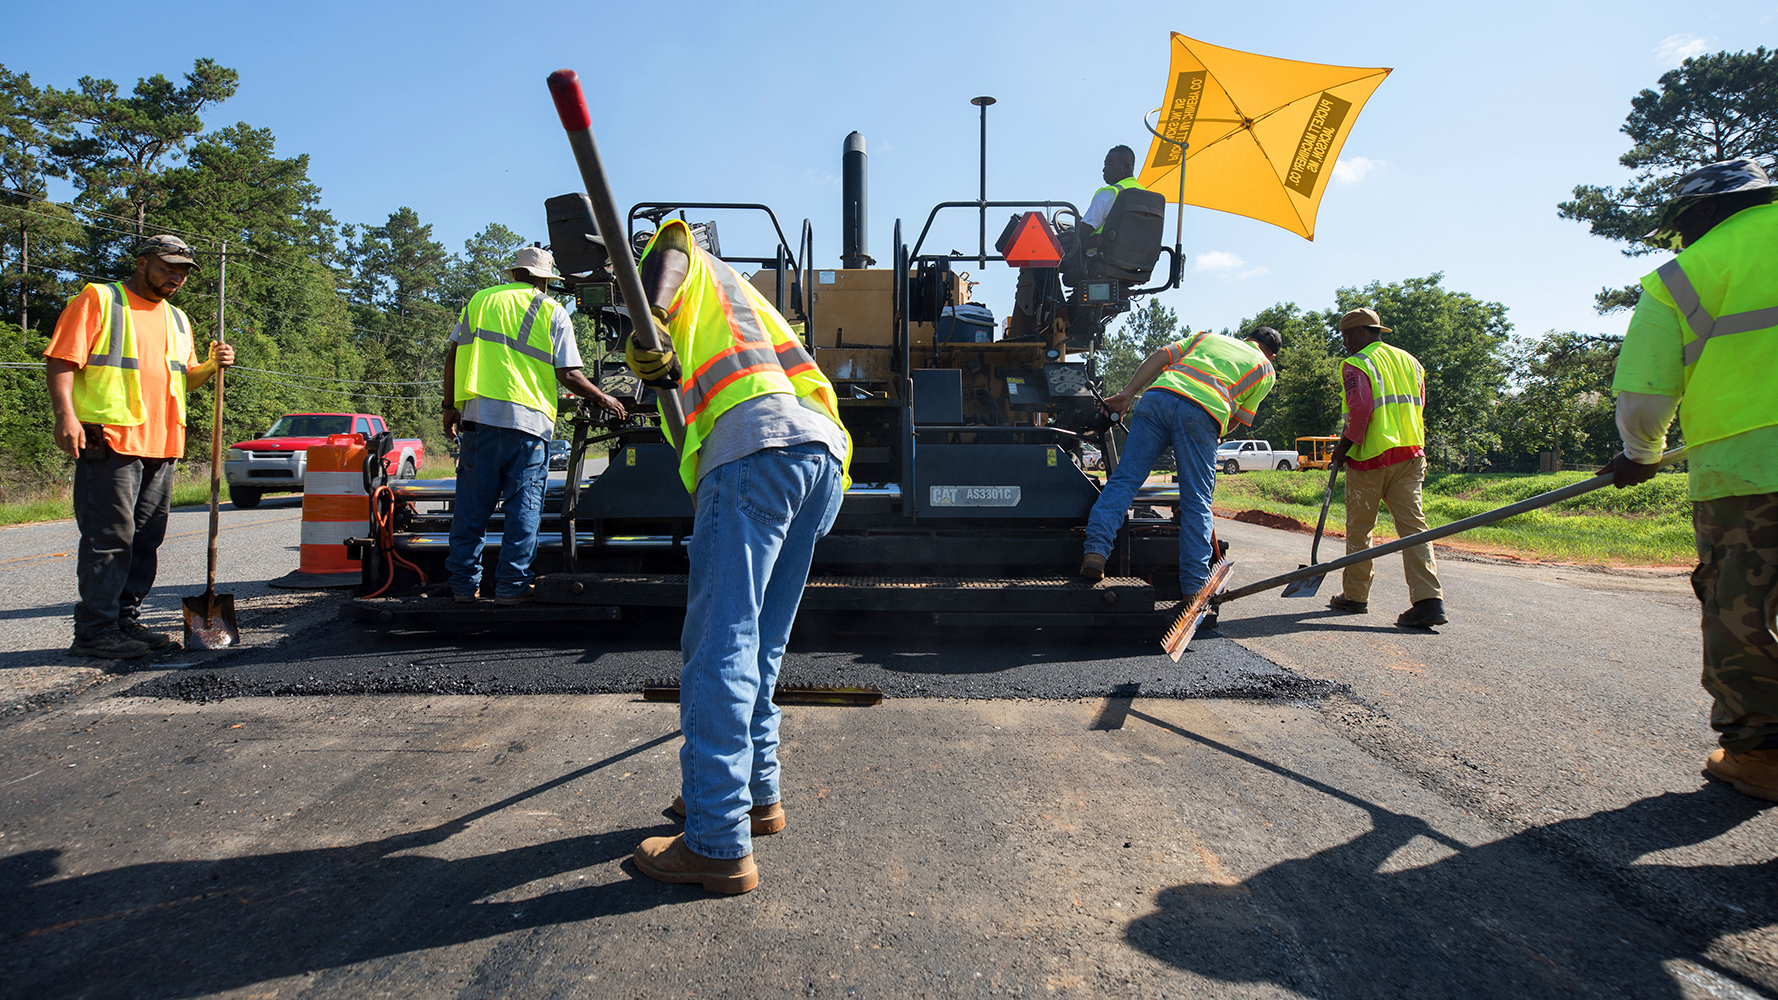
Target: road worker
{"x":1704,"y":341}
{"x":1383,"y":447}
{"x":1209,"y":384}
{"x":511,"y":346}
{"x":119,"y":366}
{"x":764,"y":455}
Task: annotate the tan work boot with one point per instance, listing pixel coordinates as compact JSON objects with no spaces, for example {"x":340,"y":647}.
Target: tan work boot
{"x":763,"y":820}
{"x":1752,"y":773}
{"x":1092,"y":566}
{"x":668,"y":859}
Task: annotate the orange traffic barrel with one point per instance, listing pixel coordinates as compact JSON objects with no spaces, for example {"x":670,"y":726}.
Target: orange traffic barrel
{"x":335,"y":508}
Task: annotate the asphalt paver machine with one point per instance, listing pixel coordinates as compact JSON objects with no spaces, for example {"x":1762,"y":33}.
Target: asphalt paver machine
{"x":970,"y":492}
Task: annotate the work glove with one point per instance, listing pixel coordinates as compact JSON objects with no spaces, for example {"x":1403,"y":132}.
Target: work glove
{"x":656,"y":368}
{"x":1626,"y":471}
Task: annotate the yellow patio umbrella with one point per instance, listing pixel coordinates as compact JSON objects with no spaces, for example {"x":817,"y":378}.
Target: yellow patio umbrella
{"x":1259,"y":135}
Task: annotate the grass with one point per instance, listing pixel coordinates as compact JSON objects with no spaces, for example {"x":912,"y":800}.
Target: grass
{"x":1648,"y":524}
{"x":191,"y":486}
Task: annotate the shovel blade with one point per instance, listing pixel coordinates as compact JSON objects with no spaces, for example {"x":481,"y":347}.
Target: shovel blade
{"x":1305,"y":587}
{"x":210,"y":622}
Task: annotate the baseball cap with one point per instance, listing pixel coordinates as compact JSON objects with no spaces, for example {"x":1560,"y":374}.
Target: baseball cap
{"x":534,"y":261}
{"x":1362,"y":317}
{"x":1267,"y":338}
{"x":1708,"y":181}
{"x":170,"y":249}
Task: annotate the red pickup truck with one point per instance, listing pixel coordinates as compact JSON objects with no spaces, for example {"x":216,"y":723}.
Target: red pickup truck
{"x":274,"y":462}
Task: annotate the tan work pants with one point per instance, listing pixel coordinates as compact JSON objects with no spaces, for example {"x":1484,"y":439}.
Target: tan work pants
{"x":1398,"y":487}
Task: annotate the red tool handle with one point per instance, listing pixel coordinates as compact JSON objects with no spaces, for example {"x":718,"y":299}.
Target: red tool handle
{"x":564,"y":88}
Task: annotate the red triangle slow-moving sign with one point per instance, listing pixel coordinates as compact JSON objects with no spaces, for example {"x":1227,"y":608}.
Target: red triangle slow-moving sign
{"x":1034,"y":243}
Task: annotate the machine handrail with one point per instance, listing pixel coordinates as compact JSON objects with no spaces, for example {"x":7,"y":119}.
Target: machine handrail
{"x":981,"y":205}
{"x":642,"y":208}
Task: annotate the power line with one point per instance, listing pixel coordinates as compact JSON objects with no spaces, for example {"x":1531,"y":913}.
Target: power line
{"x":328,"y":378}
{"x":417,"y":397}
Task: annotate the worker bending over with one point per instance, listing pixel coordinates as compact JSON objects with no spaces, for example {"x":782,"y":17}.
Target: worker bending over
{"x":119,"y":366}
{"x":765,"y":457}
{"x":1210,"y":383}
{"x":1704,"y":341}
{"x":1383,"y":446}
{"x":512,"y":344}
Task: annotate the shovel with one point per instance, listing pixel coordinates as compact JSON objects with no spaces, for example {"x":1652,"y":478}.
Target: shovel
{"x":210,"y":617}
{"x":1309,"y":585}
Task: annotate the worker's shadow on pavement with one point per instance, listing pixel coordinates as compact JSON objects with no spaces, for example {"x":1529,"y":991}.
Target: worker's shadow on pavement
{"x":1525,"y":916}
{"x":1325,"y":620}
{"x":186,"y":928}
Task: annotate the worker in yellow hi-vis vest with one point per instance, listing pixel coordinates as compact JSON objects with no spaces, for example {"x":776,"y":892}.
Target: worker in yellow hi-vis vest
{"x":1383,"y":446}
{"x":511,"y":346}
{"x":119,"y":366}
{"x":1704,"y":341}
{"x":765,"y":456}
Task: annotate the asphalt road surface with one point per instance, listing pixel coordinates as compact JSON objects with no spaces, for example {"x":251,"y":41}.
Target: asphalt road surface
{"x":1306,"y":805}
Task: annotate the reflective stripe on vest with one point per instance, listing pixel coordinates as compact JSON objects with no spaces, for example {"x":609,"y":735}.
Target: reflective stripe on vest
{"x":1397,"y":414}
{"x":108,"y":388}
{"x":734,"y":346}
{"x":1725,"y":289}
{"x":501,"y":359}
{"x":1215,"y":371}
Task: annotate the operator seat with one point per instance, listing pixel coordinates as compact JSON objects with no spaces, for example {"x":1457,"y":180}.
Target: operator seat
{"x":1126,"y":247}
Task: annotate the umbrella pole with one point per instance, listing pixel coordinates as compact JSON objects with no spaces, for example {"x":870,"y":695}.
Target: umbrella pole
{"x":1178,"y":219}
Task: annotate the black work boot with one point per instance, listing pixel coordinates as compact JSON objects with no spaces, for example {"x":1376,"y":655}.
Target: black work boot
{"x":133,"y":629}
{"x":110,"y":644}
{"x":1339,"y":603}
{"x":1424,"y":614}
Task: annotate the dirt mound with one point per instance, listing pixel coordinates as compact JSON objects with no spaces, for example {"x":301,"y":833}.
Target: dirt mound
{"x":1269,"y":520}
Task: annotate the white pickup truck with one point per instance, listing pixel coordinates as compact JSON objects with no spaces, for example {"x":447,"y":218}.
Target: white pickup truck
{"x":1249,"y":456}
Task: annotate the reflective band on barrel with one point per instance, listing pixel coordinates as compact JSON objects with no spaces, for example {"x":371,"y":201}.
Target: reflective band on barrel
{"x":334,"y":483}
{"x":333,"y":532}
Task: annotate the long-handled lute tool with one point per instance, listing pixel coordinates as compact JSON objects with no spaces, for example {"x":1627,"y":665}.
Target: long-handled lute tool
{"x":1211,"y":596}
{"x":210,"y":617}
{"x":1307,"y":586}
{"x":564,"y":88}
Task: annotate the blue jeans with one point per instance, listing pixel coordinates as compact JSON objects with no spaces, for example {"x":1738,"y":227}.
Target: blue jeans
{"x":758,"y":518}
{"x":497,"y":464}
{"x":1164,"y":418}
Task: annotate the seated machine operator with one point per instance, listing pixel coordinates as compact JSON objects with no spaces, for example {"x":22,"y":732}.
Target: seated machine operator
{"x":1119,"y":173}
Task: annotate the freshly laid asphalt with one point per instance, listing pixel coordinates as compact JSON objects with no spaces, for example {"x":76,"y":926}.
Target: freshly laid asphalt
{"x":1306,"y":805}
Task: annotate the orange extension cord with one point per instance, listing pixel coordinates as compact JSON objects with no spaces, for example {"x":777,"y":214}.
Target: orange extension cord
{"x":382,"y":513}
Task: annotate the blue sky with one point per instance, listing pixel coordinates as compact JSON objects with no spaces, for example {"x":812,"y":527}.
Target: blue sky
{"x":1493,"y":114}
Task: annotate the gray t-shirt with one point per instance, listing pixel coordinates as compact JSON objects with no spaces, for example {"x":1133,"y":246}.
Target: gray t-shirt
{"x":775,"y":420}
{"x":517,"y":416}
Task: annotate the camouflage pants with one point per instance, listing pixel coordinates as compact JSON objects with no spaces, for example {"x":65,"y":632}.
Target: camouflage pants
{"x":1737,"y":581}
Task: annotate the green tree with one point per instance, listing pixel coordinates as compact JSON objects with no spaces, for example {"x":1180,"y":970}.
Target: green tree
{"x":482,"y":263}
{"x":283,"y":312}
{"x":1460,"y":340}
{"x":1713,"y":107}
{"x":1305,"y":398}
{"x":120,"y":158}
{"x":31,"y":124}
{"x":397,"y":272}
{"x":1564,"y":402}
{"x":1142,"y":332}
